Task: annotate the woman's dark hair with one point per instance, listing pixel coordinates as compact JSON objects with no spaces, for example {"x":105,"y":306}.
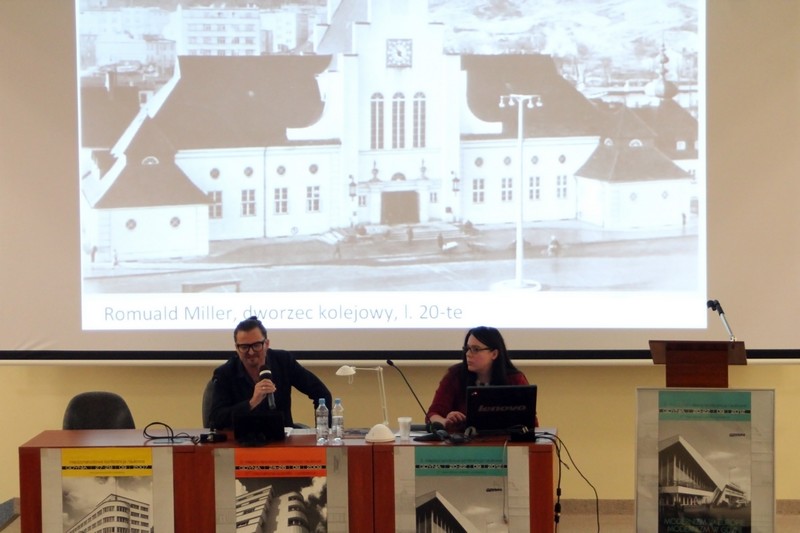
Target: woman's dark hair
{"x":249,"y":324}
{"x":502,"y":366}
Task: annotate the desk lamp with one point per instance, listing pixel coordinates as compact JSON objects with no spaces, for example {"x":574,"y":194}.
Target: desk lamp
{"x":379,"y":432}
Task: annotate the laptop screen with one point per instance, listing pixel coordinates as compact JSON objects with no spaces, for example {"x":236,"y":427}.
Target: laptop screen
{"x":495,"y":409}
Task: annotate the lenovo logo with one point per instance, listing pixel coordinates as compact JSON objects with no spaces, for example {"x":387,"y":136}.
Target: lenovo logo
{"x":501,"y":408}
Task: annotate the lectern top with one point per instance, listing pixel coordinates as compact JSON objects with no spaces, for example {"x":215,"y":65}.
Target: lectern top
{"x":734,"y":349}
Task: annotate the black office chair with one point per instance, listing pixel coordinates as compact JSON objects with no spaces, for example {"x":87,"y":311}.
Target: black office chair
{"x":98,"y":410}
{"x":208,"y":398}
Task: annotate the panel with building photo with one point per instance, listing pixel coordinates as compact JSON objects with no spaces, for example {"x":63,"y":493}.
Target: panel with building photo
{"x":108,"y":488}
{"x":468,"y":489}
{"x":709,"y":455}
{"x":272,"y":489}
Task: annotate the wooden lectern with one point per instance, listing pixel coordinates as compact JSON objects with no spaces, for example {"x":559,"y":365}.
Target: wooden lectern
{"x":698,"y":363}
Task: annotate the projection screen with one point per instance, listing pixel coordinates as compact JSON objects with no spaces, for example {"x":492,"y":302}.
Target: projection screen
{"x":362,"y":175}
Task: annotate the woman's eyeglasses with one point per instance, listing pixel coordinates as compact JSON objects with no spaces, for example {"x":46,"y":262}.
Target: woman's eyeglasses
{"x":475,"y":349}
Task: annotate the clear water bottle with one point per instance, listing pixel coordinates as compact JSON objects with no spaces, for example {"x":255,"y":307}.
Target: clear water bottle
{"x":337,"y":414}
{"x":322,"y":422}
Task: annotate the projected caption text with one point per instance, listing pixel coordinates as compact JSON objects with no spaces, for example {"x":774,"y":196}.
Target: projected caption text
{"x":320,"y":313}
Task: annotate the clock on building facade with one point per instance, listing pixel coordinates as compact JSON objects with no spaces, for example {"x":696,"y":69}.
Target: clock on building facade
{"x":398,"y":53}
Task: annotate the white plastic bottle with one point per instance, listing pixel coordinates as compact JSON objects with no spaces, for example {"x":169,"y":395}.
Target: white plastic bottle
{"x":322,"y":422}
{"x":337,"y":416}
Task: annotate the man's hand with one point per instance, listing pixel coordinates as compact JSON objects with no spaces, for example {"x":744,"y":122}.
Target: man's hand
{"x":260,"y":391}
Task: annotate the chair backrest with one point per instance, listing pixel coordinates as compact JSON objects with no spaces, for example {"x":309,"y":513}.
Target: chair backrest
{"x":98,"y":410}
{"x":208,"y":398}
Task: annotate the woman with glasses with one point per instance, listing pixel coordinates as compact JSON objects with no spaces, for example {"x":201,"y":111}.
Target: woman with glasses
{"x":485,"y":362}
{"x":240,"y":386}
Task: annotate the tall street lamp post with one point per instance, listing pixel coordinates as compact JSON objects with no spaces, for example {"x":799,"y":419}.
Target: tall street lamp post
{"x":352,"y":191}
{"x":530,"y":101}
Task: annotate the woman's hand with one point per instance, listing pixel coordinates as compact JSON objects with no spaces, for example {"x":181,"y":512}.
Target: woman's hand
{"x":454,"y":418}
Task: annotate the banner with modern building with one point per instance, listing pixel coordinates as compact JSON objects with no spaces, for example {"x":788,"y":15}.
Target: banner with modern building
{"x":705,"y":460}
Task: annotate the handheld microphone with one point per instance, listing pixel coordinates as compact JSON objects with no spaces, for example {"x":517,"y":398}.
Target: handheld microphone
{"x":714,"y":305}
{"x":265,"y":373}
{"x":428,"y":427}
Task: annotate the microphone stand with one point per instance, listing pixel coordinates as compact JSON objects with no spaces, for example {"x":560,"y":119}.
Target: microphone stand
{"x":428,"y":427}
{"x":714,"y":305}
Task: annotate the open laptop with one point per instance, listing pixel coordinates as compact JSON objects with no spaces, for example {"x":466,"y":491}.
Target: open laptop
{"x":496,"y":409}
{"x":257,"y":429}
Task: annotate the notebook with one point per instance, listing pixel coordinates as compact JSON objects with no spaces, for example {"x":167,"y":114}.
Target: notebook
{"x":257,"y":429}
{"x":496,"y":409}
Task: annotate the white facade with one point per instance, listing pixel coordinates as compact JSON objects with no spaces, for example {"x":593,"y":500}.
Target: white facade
{"x":631,"y":205}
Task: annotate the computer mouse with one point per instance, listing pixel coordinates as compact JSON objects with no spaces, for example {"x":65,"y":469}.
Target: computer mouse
{"x":458,"y":438}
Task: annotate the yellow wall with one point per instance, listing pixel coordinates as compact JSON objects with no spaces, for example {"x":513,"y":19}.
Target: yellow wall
{"x":593,"y":407}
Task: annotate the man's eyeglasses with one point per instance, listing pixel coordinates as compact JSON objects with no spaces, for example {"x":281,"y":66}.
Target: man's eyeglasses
{"x":255,"y":346}
{"x":475,"y":349}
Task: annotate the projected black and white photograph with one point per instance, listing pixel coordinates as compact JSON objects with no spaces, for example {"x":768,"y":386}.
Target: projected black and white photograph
{"x":374,"y":164}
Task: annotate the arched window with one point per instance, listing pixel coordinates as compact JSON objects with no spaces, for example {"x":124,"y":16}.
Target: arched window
{"x":419,"y":120}
{"x":398,"y":121}
{"x":376,"y":121}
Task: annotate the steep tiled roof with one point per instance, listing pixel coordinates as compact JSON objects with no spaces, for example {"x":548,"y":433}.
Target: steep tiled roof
{"x":564,"y":112}
{"x":627,"y":152}
{"x":150,"y":177}
{"x":230,"y":102}
{"x":106,"y":113}
{"x":150,"y":185}
{"x":672,"y":123}
{"x":218,"y":102}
